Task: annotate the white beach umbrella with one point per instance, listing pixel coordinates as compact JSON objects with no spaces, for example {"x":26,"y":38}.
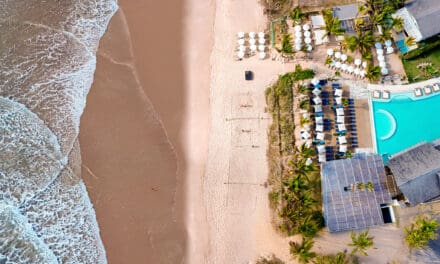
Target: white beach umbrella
{"x":261,"y":48}
{"x":350,"y":69}
{"x":252,"y":34}
{"x":306,"y":27}
{"x":298,"y":34}
{"x":261,"y":34}
{"x":240,"y":42}
{"x":307,"y":34}
{"x":379,"y":51}
{"x":309,"y":47}
{"x":298,"y":40}
{"x":357,"y":62}
{"x":343,"y":57}
{"x":344,"y":67}
{"x":338,"y":55}
{"x":308,"y":40}
{"x":364,"y":64}
{"x":378,"y":45}
{"x":242,"y":48}
{"x":388,"y":43}
{"x":380,"y":58}
{"x":382,"y":64}
{"x":363,"y":73}
{"x":338,"y":64}
{"x":314,"y":81}
{"x":261,"y":41}
{"x":384,"y":71}
{"x":253,"y":47}
{"x":390,"y":50}
{"x":240,"y":54}
{"x":357,"y":71}
{"x":329,"y":52}
{"x":298,"y":47}
{"x":262,"y":55}
{"x":240,"y":34}
{"x":252,"y":41}
{"x":297,"y":28}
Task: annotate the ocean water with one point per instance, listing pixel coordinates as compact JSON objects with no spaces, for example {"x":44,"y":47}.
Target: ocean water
{"x":47,"y":61}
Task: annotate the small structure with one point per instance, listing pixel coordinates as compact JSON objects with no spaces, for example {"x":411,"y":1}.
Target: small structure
{"x":417,"y":172}
{"x":420,"y":18}
{"x":347,"y":14}
{"x":248,"y":75}
{"x":354,"y":192}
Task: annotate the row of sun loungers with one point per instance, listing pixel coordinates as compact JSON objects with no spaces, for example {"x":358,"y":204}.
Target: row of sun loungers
{"x":427,"y":90}
{"x":385,"y":94}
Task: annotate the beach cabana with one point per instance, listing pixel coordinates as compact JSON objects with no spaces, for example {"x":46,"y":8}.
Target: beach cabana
{"x":305,"y":135}
{"x":340,"y":119}
{"x":314,"y":81}
{"x":339,"y":111}
{"x":427,"y":89}
{"x":338,"y":100}
{"x":376,"y":94}
{"x":342,"y":140}
{"x":338,"y":92}
{"x":320,"y":37}
{"x":386,"y":94}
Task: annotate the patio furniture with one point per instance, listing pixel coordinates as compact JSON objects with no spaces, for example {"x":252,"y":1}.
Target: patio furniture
{"x":319,"y":120}
{"x":418,"y":92}
{"x":342,"y":140}
{"x":340,"y":119}
{"x":336,"y":86}
{"x":319,"y":128}
{"x":386,"y":94}
{"x":427,"y":89}
{"x":320,"y":136}
{"x":343,"y":148}
{"x":317,"y":100}
{"x":376,"y":94}
{"x":338,"y":92}
{"x":436,"y":87}
{"x":318,"y":108}
{"x":339,"y":111}
{"x":320,"y":149}
{"x":341,"y":127}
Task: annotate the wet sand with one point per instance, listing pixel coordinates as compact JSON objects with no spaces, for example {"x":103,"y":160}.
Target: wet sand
{"x":139,"y":128}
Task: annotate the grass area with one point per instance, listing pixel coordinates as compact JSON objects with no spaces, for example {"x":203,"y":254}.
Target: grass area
{"x":424,"y":67}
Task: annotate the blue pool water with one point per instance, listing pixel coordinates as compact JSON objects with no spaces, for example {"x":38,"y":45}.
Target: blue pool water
{"x":405,"y":121}
{"x":401,"y":45}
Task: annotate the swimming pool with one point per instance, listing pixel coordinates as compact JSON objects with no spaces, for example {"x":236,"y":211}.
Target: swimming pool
{"x":405,"y":121}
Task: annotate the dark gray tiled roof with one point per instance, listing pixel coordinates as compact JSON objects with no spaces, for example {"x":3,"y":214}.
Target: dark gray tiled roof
{"x":348,"y":210}
{"x":416,"y":172}
{"x":346,"y":11}
{"x":427,"y":14}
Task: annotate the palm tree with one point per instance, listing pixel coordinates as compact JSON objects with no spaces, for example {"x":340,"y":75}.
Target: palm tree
{"x":362,"y":42}
{"x":296,"y":184}
{"x":370,"y":186}
{"x":286,"y":45}
{"x":398,"y":24}
{"x":360,"y":242}
{"x":300,"y":168}
{"x":421,"y":232}
{"x":410,"y":41}
{"x":339,"y":258}
{"x":305,"y":151}
{"x":304,"y":104}
{"x":373,"y":73}
{"x":302,"y":250}
{"x":332,"y":24}
{"x":297,"y":14}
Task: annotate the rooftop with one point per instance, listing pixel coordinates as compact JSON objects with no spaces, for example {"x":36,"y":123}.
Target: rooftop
{"x":354,"y":209}
{"x":416,"y":172}
{"x":346,"y":12}
{"x":427,"y":15}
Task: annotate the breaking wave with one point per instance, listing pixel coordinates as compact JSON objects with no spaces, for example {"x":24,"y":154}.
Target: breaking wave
{"x":47,"y":61}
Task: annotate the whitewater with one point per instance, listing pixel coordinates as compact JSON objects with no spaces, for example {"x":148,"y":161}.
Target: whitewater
{"x":47,"y":61}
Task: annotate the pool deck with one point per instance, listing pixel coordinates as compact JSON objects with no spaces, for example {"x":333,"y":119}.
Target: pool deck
{"x":403,"y":88}
{"x":363,"y":124}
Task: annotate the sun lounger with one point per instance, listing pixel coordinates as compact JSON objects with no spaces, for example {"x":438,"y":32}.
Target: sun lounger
{"x":386,"y":94}
{"x":418,"y":92}
{"x":336,"y":86}
{"x":427,"y":89}
{"x":376,"y":94}
{"x":436,"y":87}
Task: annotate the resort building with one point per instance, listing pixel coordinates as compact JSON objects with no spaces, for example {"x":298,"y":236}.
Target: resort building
{"x":421,"y":19}
{"x":417,"y":172}
{"x":356,"y":193}
{"x":348,"y":14}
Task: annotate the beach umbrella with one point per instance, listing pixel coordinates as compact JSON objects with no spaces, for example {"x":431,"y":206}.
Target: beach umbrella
{"x":380,"y":58}
{"x":382,"y":64}
{"x":357,"y":62}
{"x":378,"y":45}
{"x":240,"y":54}
{"x":242,"y":48}
{"x":338,"y":64}
{"x":329,"y":52}
{"x":379,"y":51}
{"x":298,"y":40}
{"x":307,"y":34}
{"x":343,"y":57}
{"x":314,"y":81}
{"x":338,"y":55}
{"x":298,"y":34}
{"x":388,"y":43}
{"x":316,"y":92}
{"x":253,"y":47}
{"x":309,"y":161}
{"x":309,"y":47}
{"x":240,"y":42}
{"x":364,"y":64}
{"x":252,"y":41}
{"x":306,"y":27}
{"x":306,"y":115}
{"x":390,"y":50}
{"x":363,"y":73}
{"x":357,"y":71}
{"x":261,"y":48}
{"x":350,"y":69}
{"x":384,"y":71}
{"x":252,"y":34}
{"x":309,"y":143}
{"x":298,"y":46}
{"x":240,"y":34}
{"x":262,"y":55}
{"x":344,"y":67}
{"x":297,"y":28}
{"x":261,"y":41}
{"x":308,"y":40}
{"x":261,"y":34}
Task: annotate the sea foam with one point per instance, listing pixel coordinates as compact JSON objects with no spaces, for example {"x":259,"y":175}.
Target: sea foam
{"x":47,"y":61}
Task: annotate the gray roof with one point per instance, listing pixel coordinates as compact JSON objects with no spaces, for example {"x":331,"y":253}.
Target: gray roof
{"x":348,"y":210}
{"x":427,"y":15}
{"x":416,"y":172}
{"x":346,"y":12}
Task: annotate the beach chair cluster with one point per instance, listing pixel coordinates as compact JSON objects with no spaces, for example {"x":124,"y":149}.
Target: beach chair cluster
{"x":303,"y":34}
{"x":251,"y":44}
{"x":378,"y":94}
{"x":381,"y":58}
{"x":339,"y":63}
{"x":427,"y":90}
